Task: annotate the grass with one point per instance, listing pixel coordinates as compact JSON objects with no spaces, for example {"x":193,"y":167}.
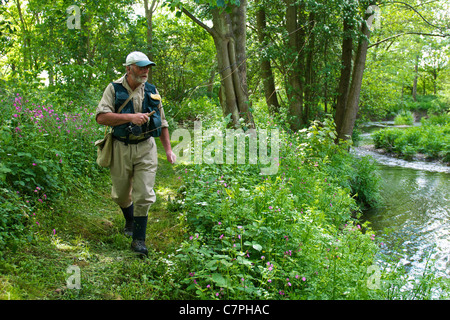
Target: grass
{"x":88,"y":234}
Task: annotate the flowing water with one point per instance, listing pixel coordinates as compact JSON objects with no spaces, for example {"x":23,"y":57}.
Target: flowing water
{"x":416,"y":210}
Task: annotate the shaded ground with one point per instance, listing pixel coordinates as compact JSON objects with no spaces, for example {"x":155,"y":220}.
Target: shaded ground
{"x":88,"y":235}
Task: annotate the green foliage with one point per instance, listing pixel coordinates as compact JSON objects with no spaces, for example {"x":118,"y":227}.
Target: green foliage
{"x":46,"y":153}
{"x":395,"y":68}
{"x":404,"y":118}
{"x":287,"y":236}
{"x":74,"y":59}
{"x":430,"y":140}
{"x":428,"y":103}
{"x":365,"y":182}
{"x":182,"y":52}
{"x":81,"y":62}
{"x":41,"y":144}
{"x":357,"y":175}
{"x":196,"y":109}
{"x":13,"y":218}
{"x":440,"y":120}
{"x":292,"y":235}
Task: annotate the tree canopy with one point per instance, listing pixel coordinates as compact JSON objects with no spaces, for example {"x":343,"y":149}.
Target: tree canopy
{"x":300,"y":58}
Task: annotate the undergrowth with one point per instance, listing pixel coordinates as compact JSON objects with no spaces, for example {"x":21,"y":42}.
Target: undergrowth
{"x":217,"y":231}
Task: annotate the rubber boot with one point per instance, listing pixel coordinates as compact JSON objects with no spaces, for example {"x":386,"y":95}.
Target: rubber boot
{"x":128,"y":215}
{"x":139,"y":229}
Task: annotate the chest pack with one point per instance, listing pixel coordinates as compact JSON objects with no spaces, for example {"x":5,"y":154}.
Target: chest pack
{"x":150,"y":103}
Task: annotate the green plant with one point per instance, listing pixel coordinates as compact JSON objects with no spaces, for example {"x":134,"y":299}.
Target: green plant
{"x":13,"y":219}
{"x":429,"y":139}
{"x":385,"y":139}
{"x":405,"y":117}
{"x":46,"y":152}
{"x":442,"y":119}
{"x":292,"y":235}
{"x":46,"y":147}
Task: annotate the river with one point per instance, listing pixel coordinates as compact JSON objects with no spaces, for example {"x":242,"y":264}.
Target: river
{"x":416,"y":210}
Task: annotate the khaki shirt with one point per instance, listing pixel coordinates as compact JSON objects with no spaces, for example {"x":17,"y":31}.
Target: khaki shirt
{"x":108,"y":100}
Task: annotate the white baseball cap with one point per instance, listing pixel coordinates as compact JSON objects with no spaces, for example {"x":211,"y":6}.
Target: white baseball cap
{"x":138,"y":58}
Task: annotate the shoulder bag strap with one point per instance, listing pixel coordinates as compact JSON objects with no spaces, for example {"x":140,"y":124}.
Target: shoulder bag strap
{"x":129,"y":98}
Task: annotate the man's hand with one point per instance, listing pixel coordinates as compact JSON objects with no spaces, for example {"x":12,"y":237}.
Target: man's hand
{"x":139,"y":118}
{"x":171,"y":157}
{"x":165,"y":140}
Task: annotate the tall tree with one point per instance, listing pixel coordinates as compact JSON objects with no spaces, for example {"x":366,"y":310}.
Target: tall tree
{"x":351,"y":107}
{"x":266,"y":67}
{"x":229,"y":33}
{"x":149,"y":8}
{"x":295,"y":83}
{"x":310,"y":94}
{"x":26,"y":37}
{"x":345,"y":131}
{"x":349,"y":26}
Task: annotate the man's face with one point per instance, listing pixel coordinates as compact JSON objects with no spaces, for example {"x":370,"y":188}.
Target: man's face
{"x":139,"y":74}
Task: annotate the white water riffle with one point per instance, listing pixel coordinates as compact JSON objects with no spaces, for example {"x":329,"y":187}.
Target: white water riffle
{"x":430,"y":166}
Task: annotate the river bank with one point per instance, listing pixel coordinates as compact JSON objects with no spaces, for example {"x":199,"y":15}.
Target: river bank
{"x":419,"y":161}
{"x":429,"y":138}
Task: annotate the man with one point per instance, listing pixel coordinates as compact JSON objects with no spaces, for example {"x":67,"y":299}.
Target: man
{"x":134,"y":159}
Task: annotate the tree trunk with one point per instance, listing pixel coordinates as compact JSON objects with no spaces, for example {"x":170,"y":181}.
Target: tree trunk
{"x":325,"y":86}
{"x":295,"y":55}
{"x":149,"y":16}
{"x":435,"y":75}
{"x":352,"y":107}
{"x":27,"y":61}
{"x":210,"y":85}
{"x":229,"y":34}
{"x":266,"y":68}
{"x":416,"y":76}
{"x":346,"y":72}
{"x":310,"y":93}
{"x":229,"y":98}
